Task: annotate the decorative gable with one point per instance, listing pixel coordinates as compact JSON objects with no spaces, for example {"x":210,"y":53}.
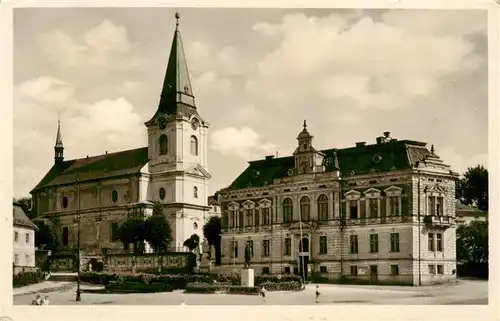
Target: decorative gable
{"x":198,"y":171}
{"x":372,"y":192}
{"x":435,"y":190}
{"x":303,"y":226}
{"x":393,"y":191}
{"x":265,"y":203}
{"x":248,"y":204}
{"x":352,"y":195}
{"x":233,"y":206}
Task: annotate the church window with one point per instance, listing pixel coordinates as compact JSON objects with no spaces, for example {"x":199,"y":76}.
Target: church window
{"x":163,"y":144}
{"x":64,"y":202}
{"x":305,"y":208}
{"x":114,"y":196}
{"x":195,"y":225}
{"x":162,"y":193}
{"x":323,"y":207}
{"x":195,"y":192}
{"x":194,"y":145}
{"x":287,"y":210}
{"x":65,"y":235}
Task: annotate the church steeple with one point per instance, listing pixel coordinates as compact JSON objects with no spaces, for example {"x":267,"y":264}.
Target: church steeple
{"x":59,"y":147}
{"x":177,"y":95}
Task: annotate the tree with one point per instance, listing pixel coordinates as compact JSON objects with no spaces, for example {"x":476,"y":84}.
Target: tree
{"x":473,"y":187}
{"x":45,"y":236}
{"x":472,"y":243}
{"x":211,"y":231}
{"x":27,"y":205}
{"x":157,"y":231}
{"x":192,"y":242}
{"x":131,"y":231}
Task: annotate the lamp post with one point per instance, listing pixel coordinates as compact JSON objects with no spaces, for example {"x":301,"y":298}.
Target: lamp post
{"x":78,"y":217}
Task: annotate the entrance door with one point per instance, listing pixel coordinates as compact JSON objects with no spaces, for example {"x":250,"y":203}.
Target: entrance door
{"x":373,"y":274}
{"x":303,"y":266}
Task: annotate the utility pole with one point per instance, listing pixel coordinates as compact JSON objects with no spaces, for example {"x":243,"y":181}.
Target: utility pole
{"x":78,"y":217}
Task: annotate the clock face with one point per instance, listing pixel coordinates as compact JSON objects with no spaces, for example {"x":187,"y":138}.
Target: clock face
{"x":162,"y":123}
{"x":195,"y":123}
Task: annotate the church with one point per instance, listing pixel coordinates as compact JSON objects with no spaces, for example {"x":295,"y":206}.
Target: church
{"x":371,"y":213}
{"x":173,"y":169}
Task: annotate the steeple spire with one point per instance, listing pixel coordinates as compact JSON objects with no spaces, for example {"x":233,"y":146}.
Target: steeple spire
{"x":59,"y":147}
{"x":176,"y":88}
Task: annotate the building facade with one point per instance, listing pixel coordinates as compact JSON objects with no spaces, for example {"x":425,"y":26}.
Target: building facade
{"x":96,"y":193}
{"x":24,"y":240}
{"x":467,"y":214}
{"x":379,"y":213}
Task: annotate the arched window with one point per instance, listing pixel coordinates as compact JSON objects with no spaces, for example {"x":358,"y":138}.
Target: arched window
{"x":163,"y":144}
{"x":195,"y":192}
{"x":323,"y":207}
{"x":287,"y":210}
{"x":65,"y":236}
{"x":305,"y":208}
{"x":194,"y":145}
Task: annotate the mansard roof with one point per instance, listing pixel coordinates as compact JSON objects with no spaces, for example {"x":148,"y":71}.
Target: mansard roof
{"x":95,"y":167}
{"x":382,"y":157}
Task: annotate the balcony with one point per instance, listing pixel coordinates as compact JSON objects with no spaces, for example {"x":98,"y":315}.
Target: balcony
{"x":438,"y":221}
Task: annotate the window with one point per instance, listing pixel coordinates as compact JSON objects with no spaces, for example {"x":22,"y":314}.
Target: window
{"x":250,"y":245}
{"x":440,"y":269}
{"x":234,"y":249}
{"x":28,"y":260}
{"x":432,"y":269}
{"x":256,"y":217}
{"x":394,"y":270}
{"x":287,"y":210}
{"x":431,"y":242}
{"x":373,"y":207}
{"x":288,"y":246}
{"x":305,"y":208}
{"x":64,"y":202}
{"x":114,"y":232}
{"x":394,"y":242}
{"x":354,"y":244}
{"x":27,"y":238}
{"x":233,"y":218}
{"x":287,"y":269}
{"x":266,"y":248}
{"x":322,"y":269}
{"x":265,"y":216}
{"x":249,"y":216}
{"x":65,"y":235}
{"x":163,"y":145}
{"x":439,"y":242}
{"x":162,"y":193}
{"x":323,"y":247}
{"x":354,"y":270}
{"x":114,"y":196}
{"x":393,"y":205}
{"x":195,"y":192}
{"x":353,"y":209}
{"x":16,"y":259}
{"x":194,"y":145}
{"x":195,"y":226}
{"x":373,"y":243}
{"x":16,"y":236}
{"x":265,"y":270}
{"x":436,"y":205}
{"x":323,"y":207}
{"x":439,"y":206}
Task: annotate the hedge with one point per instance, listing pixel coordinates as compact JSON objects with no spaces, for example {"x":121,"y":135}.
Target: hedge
{"x":277,"y":279}
{"x":217,"y":287}
{"x":27,"y":278}
{"x":138,"y":287}
{"x":282,"y":286}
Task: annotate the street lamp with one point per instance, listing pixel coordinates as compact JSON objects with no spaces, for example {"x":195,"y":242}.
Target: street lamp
{"x":78,"y":217}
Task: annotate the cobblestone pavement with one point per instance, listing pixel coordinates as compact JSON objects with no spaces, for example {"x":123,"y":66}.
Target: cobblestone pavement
{"x":465,"y":292}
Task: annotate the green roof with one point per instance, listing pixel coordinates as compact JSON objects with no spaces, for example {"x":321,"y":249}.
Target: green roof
{"x":394,"y":155}
{"x":96,"y":167}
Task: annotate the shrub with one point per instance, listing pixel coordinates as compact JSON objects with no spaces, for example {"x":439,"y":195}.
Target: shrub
{"x":282,"y":286}
{"x":275,"y":279}
{"x":27,"y":278}
{"x":138,"y":287}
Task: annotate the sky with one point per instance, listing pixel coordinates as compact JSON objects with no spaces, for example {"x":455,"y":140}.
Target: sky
{"x":256,"y":75}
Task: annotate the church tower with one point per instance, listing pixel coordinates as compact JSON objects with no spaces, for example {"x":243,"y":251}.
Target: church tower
{"x":307,"y":159}
{"x":58,"y":147}
{"x":177,"y":149}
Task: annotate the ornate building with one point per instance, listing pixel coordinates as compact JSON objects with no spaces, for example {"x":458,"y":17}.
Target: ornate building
{"x":172,"y":169}
{"x":380,"y":213}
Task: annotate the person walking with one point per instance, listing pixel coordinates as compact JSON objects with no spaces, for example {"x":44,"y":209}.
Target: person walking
{"x":262,"y":293}
{"x":317,"y":293}
{"x":45,"y":300}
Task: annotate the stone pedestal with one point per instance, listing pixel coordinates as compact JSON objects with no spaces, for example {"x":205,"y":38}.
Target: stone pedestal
{"x":247,"y":277}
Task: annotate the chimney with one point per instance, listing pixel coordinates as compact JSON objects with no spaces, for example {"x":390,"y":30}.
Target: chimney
{"x":360,"y":144}
{"x":269,"y":157}
{"x":106,"y":152}
{"x":387,"y":135}
{"x":380,"y":140}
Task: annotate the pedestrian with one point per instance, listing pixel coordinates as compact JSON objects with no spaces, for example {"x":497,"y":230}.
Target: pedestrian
{"x":317,"y":293}
{"x":38,"y":300}
{"x":262,"y":293}
{"x":45,"y":300}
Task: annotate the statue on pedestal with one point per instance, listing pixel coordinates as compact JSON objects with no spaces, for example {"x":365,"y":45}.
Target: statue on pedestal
{"x":205,"y":256}
{"x":248,"y":256}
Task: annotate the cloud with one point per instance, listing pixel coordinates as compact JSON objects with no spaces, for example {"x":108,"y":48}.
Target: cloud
{"x":244,"y":143}
{"x":374,"y":64}
{"x":460,"y":163}
{"x":210,"y":83}
{"x":105,"y":45}
{"x":87,"y":129}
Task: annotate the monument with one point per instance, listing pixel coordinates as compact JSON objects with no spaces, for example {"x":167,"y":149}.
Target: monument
{"x":247,"y":274}
{"x":205,"y":262}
